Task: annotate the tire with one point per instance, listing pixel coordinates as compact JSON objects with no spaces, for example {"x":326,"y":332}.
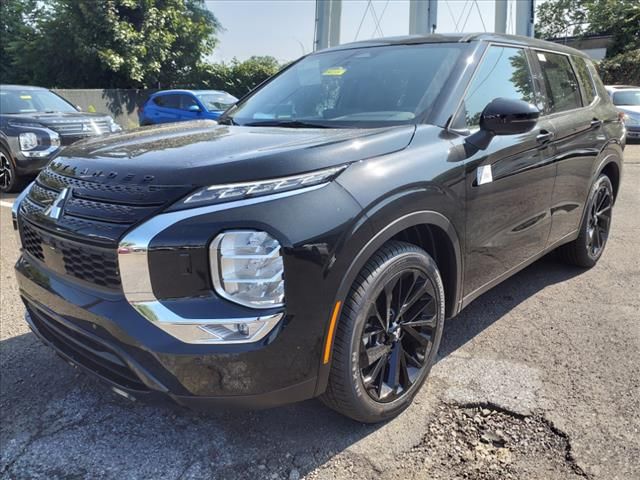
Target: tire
{"x":586,"y":250}
{"x":354,"y":388}
{"x":9,"y":179}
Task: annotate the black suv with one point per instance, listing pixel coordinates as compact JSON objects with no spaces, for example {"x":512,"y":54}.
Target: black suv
{"x":34,"y":124}
{"x":314,"y":242}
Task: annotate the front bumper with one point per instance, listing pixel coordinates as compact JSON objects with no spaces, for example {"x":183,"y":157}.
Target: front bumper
{"x":633,"y":131}
{"x":102,"y":335}
{"x":282,"y":367}
{"x":29,"y":166}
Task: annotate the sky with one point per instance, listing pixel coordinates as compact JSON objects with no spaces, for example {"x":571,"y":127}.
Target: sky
{"x":284,"y":28}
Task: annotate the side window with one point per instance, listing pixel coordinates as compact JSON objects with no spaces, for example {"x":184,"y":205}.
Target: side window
{"x":505,"y":73}
{"x":187,"y":101}
{"x":560,"y":82}
{"x":168,"y":101}
{"x":586,"y":82}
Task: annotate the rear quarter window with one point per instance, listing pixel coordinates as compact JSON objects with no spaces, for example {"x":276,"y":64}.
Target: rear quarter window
{"x":586,"y":82}
{"x":561,"y":84}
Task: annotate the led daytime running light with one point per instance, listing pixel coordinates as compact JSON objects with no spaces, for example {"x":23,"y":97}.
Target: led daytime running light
{"x":237,"y":191}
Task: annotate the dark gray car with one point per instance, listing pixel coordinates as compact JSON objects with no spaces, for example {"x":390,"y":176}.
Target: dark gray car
{"x":34,"y":124}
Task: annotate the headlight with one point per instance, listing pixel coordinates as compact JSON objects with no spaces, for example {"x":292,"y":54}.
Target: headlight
{"x":246,"y":268}
{"x":28,"y":141}
{"x":629,"y":120}
{"x":238,"y":191}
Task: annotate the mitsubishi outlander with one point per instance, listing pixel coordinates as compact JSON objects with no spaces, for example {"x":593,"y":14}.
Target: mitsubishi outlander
{"x":314,"y":240}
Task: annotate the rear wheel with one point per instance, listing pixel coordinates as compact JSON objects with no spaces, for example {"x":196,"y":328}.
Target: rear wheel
{"x":388,"y":334}
{"x":586,"y":250}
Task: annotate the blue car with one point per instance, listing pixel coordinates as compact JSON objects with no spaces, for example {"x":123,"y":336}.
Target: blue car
{"x":181,"y":105}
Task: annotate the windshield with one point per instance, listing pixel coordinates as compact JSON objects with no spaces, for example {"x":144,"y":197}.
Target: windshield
{"x":216,"y":101}
{"x":627,"y":97}
{"x":32,"y":101}
{"x":375,"y":86}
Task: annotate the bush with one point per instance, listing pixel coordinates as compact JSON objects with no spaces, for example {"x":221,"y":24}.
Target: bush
{"x":236,"y":77}
{"x":624,"y":68}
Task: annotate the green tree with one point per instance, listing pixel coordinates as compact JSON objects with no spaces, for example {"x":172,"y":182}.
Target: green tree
{"x":235,"y":77}
{"x":113,"y":43}
{"x":619,"y":18}
{"x":16,"y":20}
{"x":622,"y":69}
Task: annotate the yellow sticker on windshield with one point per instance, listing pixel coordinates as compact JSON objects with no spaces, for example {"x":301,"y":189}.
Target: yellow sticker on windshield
{"x":25,"y":97}
{"x":334,"y":71}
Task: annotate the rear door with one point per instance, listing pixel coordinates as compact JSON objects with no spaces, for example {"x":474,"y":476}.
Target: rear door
{"x":508,"y":185}
{"x":570,"y":104}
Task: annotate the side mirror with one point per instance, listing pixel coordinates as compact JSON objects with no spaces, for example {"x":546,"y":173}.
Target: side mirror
{"x":195,"y":108}
{"x":504,"y":116}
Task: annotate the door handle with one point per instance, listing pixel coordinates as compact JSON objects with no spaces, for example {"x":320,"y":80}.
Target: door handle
{"x":595,"y":123}
{"x":545,"y":136}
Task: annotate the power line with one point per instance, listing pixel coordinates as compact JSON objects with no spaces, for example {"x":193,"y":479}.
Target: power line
{"x":362,"y":19}
{"x":375,"y":19}
{"x":475,"y":2}
{"x":384,"y":9}
{"x":453,"y":19}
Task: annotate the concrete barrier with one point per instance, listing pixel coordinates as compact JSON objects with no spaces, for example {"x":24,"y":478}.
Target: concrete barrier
{"x":121,"y":104}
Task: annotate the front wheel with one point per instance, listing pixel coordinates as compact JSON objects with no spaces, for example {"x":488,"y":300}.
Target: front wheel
{"x":9,"y":179}
{"x":586,"y":250}
{"x":388,"y":334}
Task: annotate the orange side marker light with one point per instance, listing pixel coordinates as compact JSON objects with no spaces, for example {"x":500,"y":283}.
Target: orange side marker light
{"x":332,"y":329}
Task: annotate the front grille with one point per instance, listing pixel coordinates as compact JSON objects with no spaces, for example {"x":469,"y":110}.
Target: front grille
{"x":95,"y":265}
{"x":83,"y":241}
{"x":32,"y":242}
{"x":85,"y":349}
{"x":81,"y":127}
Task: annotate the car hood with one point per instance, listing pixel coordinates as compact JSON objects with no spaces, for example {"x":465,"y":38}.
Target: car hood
{"x":203,"y":153}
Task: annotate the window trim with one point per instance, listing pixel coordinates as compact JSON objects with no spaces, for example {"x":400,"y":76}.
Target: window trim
{"x":532,"y":70}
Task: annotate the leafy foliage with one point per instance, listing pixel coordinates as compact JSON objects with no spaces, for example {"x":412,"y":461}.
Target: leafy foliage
{"x":111,"y":43}
{"x":619,"y":18}
{"x":235,"y":77}
{"x":622,"y":69}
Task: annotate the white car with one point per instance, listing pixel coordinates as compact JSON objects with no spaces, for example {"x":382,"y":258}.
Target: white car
{"x":626,"y":98}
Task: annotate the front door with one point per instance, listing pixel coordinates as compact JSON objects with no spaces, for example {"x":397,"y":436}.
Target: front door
{"x":508,"y":185}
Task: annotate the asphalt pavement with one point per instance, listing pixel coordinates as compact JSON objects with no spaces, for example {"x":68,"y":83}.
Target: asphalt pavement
{"x":537,"y":379}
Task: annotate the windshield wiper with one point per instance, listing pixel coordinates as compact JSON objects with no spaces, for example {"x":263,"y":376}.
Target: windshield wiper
{"x":286,"y":124}
{"x":226,"y":121}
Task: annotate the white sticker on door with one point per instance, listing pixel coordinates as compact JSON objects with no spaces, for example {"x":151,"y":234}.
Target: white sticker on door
{"x":484,"y":175}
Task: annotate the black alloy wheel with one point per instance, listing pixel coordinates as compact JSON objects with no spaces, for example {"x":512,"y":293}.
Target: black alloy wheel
{"x":398,"y":335}
{"x":599,"y":220}
{"x":586,"y":250}
{"x":6,"y":173}
{"x":387,"y":335}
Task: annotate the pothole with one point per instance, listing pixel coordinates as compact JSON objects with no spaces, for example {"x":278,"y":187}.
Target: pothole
{"x":485,"y":442}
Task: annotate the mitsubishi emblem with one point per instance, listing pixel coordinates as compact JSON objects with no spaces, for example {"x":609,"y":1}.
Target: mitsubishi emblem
{"x":54,"y":211}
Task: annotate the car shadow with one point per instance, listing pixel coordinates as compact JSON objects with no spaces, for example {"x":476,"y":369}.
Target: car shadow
{"x":500,"y":300}
{"x":88,"y":426}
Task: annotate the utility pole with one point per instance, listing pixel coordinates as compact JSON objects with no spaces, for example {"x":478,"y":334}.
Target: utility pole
{"x":423,"y":16}
{"x":501,"y":16}
{"x":524,"y":17}
{"x":328,"y":14}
